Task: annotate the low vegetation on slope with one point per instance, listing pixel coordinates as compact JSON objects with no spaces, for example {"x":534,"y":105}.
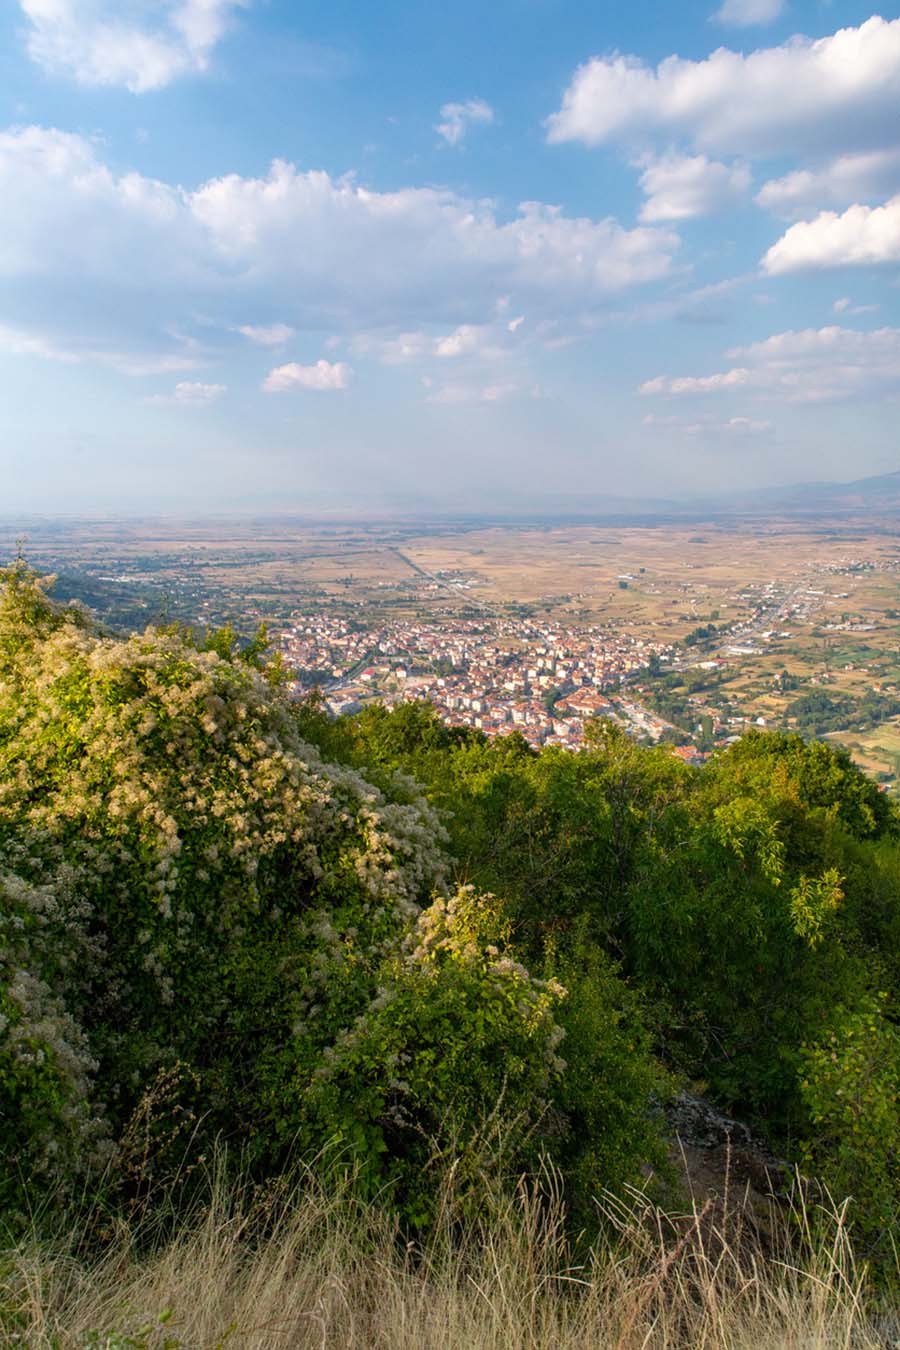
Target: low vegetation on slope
{"x":387,"y":947}
{"x":210,"y":928}
{"x":752,"y":907}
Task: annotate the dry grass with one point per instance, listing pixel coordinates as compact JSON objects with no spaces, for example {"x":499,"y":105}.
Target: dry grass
{"x":315,"y":1269}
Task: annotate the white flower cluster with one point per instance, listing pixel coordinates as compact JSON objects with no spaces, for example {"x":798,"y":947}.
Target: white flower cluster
{"x":171,"y":789}
{"x":451,"y":929}
{"x":149,"y":757}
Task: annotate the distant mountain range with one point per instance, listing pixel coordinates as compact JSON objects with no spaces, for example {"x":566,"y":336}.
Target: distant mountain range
{"x":872,"y":497}
{"x":881,"y":495}
{"x":877,"y":499}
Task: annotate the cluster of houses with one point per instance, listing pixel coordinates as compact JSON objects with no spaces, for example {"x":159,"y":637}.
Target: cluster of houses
{"x":498,"y":675}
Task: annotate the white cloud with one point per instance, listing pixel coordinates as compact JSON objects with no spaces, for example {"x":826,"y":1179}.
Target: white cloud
{"x":191,"y":393}
{"x":807,"y":366}
{"x":746,"y":426}
{"x":187,"y":391}
{"x":323,"y":377}
{"x":19,"y":341}
{"x":141,"y":46}
{"x":461,"y":391}
{"x":737,"y":428}
{"x":840,"y":92}
{"x":864,"y":177}
{"x":846,"y":306}
{"x":118,"y":260}
{"x":458,"y":117}
{"x":395,"y":351}
{"x":681,"y":187}
{"x":696,"y":384}
{"x":470,"y":344}
{"x":477,"y":342}
{"x":862,"y":236}
{"x":271,"y":335}
{"x":468,"y":338}
{"x":749,"y":13}
{"x":307,"y":230}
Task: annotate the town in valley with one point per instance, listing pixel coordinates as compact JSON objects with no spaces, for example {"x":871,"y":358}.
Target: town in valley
{"x":685,"y":633}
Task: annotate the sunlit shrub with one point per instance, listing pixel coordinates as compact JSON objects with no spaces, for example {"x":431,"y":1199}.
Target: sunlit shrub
{"x":263,"y":926}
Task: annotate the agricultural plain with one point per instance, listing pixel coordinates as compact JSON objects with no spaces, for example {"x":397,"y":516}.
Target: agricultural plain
{"x":772,"y":611}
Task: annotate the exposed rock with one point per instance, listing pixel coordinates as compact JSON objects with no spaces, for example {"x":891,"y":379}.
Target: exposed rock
{"x":696,"y":1121}
{"x":730,"y":1173}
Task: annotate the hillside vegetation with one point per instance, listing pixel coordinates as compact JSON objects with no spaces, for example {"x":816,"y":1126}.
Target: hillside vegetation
{"x":384,"y":949}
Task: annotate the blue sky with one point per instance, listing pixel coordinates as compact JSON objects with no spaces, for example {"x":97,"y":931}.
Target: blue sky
{"x":409,"y":256}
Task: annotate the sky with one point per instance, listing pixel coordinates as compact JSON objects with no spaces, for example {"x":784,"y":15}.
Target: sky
{"x":327,"y":256}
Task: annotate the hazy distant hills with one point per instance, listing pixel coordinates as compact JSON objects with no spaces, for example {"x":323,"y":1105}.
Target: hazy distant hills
{"x":880,"y":495}
{"x":875,"y":498}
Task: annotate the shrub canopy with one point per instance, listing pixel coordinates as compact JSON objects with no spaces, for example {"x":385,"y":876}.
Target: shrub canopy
{"x":195,"y":893}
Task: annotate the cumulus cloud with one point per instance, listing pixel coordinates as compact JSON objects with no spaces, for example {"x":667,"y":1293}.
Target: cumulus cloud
{"x":139,"y":47}
{"x":749,"y":13}
{"x":65,"y":211}
{"x":271,"y":335}
{"x":841,"y":92}
{"x":849,"y":179}
{"x":319,"y":234}
{"x":696,"y":384}
{"x":468,"y":344}
{"x":807,"y":366}
{"x":323,"y":377}
{"x":681,"y":187}
{"x":456,"y":118}
{"x":467,"y":339}
{"x":123,"y":260}
{"x":860,"y":237}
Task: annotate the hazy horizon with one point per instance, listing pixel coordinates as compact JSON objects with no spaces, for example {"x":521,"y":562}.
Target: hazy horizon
{"x":722,"y":507}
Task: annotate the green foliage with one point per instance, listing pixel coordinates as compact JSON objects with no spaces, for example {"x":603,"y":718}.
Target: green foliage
{"x":819,"y":712}
{"x":51,"y":1129}
{"x":811,"y":778}
{"x":602,"y":1098}
{"x":702,"y":633}
{"x":454,"y":1057}
{"x":742,"y":900}
{"x":851,"y":1091}
{"x":248,"y":922}
{"x":389,"y":944}
{"x":814,"y":903}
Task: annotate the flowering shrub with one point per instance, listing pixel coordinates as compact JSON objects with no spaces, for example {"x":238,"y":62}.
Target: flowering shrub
{"x":459,"y":1046}
{"x":51,"y":1128}
{"x":229,"y":881}
{"x":192,"y":887}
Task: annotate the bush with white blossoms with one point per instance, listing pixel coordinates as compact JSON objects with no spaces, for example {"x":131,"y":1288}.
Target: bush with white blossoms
{"x":230,"y":882}
{"x":51,"y":1126}
{"x":455,"y":1057}
{"x":198,"y":899}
